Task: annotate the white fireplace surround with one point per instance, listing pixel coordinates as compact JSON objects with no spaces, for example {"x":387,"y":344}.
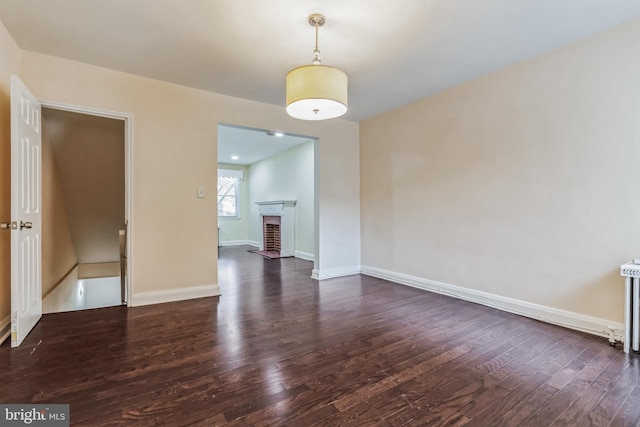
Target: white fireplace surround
{"x":285,"y":209}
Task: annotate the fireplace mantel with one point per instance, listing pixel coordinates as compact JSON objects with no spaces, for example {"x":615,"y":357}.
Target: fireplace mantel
{"x":276,"y":207}
{"x":285,"y":209}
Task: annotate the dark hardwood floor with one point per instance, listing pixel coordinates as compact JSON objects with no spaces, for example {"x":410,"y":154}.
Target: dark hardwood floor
{"x":278,"y":348}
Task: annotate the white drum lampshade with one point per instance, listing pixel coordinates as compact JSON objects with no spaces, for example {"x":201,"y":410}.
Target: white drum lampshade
{"x":316,"y":92}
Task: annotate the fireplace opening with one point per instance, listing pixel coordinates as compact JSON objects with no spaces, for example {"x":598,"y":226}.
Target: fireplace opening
{"x":272,"y":241}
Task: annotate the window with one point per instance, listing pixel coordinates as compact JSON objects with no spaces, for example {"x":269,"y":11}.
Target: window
{"x":229,"y":193}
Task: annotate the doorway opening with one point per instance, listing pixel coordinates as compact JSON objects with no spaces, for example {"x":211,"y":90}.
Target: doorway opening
{"x":258,"y":168}
{"x":85,"y":208}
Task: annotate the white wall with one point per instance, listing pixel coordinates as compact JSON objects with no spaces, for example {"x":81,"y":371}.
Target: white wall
{"x":521,"y":184}
{"x":235,"y":231}
{"x":286,"y":176}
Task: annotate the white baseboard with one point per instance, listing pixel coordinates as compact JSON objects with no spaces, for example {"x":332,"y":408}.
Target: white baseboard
{"x":254,"y":243}
{"x":304,"y":255}
{"x":238,"y":243}
{"x":5,"y":328}
{"x":334,"y":272}
{"x":171,"y":295}
{"x":567,"y":319}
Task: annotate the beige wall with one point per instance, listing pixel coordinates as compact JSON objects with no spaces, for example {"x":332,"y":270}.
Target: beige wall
{"x":174,"y":242}
{"x":286,"y":176}
{"x":10,"y":55}
{"x":520,"y":184}
{"x":58,"y":251}
{"x":173,"y":236}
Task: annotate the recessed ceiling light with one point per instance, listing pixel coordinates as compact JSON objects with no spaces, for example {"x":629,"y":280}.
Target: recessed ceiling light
{"x":279,"y":134}
{"x":234,"y":157}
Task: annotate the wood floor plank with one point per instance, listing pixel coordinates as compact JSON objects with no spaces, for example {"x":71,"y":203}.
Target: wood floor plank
{"x":628,"y":415}
{"x":279,"y":348}
{"x":519,"y":391}
{"x":583,"y":406}
{"x":570,"y":392}
{"x":532,"y":356}
{"x":417,"y":369}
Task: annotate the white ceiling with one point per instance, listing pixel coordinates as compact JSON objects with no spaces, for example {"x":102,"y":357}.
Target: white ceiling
{"x":252,"y":145}
{"x":394,"y":52}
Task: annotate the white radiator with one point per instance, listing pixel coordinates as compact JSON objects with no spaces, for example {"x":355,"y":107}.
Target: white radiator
{"x":631,"y":272}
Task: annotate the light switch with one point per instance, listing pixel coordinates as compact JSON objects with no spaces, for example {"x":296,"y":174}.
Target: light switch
{"x":200,"y":191}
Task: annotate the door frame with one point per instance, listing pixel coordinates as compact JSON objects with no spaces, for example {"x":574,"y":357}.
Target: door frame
{"x":128,"y":173}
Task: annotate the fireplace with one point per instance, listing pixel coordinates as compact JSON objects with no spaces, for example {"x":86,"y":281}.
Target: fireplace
{"x":278,"y":228}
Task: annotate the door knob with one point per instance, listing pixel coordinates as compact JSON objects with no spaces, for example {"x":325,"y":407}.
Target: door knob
{"x":14,"y":225}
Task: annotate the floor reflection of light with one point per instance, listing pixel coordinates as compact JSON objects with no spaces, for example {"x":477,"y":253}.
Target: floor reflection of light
{"x":272,"y":379}
{"x":229,"y":327}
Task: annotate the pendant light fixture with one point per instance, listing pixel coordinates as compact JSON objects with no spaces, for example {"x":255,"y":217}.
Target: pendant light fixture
{"x":316,"y":92}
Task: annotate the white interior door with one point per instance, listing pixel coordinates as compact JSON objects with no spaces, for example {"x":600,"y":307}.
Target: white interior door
{"x":26,"y":211}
